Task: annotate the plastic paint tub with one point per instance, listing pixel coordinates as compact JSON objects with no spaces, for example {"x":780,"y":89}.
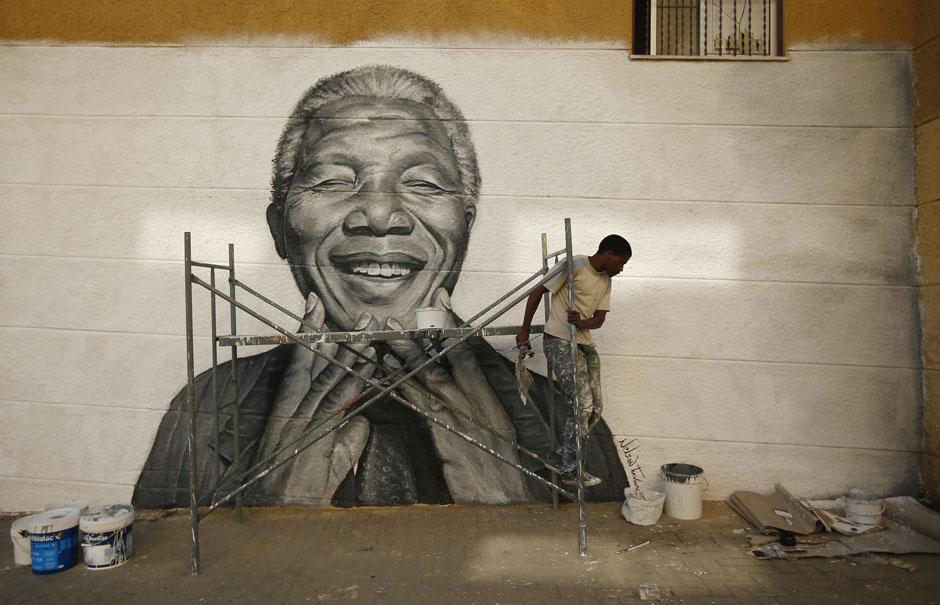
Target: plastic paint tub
{"x":430,"y":317}
{"x":53,"y":540}
{"x":863,"y":508}
{"x":107,"y":536}
{"x":683,"y":484}
{"x":19,"y":531}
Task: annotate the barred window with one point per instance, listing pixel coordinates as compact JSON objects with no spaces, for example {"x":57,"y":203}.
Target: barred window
{"x":712,"y":28}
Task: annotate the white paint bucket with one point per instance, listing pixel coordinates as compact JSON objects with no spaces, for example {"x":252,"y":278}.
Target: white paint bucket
{"x":107,"y":536}
{"x":430,"y":317}
{"x":683,"y":484}
{"x":863,"y":508}
{"x":53,"y":540}
{"x":19,"y":532}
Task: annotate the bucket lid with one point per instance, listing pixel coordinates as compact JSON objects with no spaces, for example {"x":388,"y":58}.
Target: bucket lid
{"x":680,"y":472}
{"x":107,"y":518}
{"x":79,"y":505}
{"x":20,"y":527}
{"x":53,"y":520}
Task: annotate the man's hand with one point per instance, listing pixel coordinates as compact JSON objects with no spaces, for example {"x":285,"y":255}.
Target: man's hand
{"x":574,"y":318}
{"x":532,"y":303}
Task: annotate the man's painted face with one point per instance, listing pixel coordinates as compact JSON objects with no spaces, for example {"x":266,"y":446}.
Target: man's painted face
{"x":375,"y":220}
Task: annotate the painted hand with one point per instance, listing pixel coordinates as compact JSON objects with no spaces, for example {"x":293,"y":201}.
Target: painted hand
{"x":472,"y":475}
{"x":314,"y":391}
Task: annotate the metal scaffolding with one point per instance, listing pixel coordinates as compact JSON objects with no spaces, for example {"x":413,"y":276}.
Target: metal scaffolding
{"x":442,"y":341}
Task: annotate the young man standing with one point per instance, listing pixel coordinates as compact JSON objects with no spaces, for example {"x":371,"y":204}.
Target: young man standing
{"x":591,"y":277}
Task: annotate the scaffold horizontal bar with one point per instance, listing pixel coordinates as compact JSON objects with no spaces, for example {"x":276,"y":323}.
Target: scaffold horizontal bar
{"x":371,"y":335}
{"x":193,"y":263}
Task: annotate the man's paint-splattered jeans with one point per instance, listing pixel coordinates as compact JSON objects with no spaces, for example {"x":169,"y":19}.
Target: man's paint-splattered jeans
{"x":558,"y":352}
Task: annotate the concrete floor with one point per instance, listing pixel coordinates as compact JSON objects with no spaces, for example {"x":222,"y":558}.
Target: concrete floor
{"x":450,"y":554}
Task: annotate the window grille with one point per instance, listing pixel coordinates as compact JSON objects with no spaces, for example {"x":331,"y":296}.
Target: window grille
{"x":707,"y":28}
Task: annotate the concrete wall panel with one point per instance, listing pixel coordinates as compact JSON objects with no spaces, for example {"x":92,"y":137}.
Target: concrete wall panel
{"x":30,"y":495}
{"x":772,"y":322}
{"x":755,"y":242}
{"x":930,"y":325}
{"x":802,"y":165}
{"x":127,"y":296}
{"x":812,"y":88}
{"x":824,"y":471}
{"x":721,"y":240}
{"x":100,"y":448}
{"x":927,"y":78}
{"x":926,"y":21}
{"x":782,"y":404}
{"x":775,"y":322}
{"x":928,"y":162}
{"x":97,"y":370}
{"x":928,"y":243}
{"x":135,"y":223}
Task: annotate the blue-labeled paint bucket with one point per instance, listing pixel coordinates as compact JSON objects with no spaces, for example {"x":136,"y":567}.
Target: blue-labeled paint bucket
{"x":53,"y":540}
{"x":107,"y":536}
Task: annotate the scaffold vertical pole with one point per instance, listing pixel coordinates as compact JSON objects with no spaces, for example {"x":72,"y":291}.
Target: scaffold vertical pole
{"x":215,"y":380}
{"x":550,"y":391}
{"x":191,"y":402}
{"x":573,"y":332}
{"x":235,"y":412}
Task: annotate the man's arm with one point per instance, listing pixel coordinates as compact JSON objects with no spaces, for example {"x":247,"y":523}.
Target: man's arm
{"x":532,"y":303}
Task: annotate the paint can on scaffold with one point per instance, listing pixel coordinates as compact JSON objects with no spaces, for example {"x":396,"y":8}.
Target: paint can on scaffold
{"x":430,"y":317}
{"x":107,"y":536}
{"x":53,"y":540}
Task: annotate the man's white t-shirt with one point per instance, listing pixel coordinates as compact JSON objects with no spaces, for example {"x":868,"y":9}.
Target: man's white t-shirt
{"x":591,"y":293}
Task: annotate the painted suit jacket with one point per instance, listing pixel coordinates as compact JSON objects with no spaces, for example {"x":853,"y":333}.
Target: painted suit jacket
{"x":399,"y":464}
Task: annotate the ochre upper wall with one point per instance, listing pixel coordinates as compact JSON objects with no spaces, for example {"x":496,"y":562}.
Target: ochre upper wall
{"x":339,"y":23}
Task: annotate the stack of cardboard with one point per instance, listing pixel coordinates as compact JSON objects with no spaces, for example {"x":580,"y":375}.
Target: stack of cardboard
{"x":794,"y":528}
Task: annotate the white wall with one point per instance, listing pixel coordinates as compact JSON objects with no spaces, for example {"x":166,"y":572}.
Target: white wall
{"x":765,"y":330}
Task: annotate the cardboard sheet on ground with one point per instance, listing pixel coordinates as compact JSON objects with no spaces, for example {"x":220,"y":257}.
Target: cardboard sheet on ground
{"x":822,"y":530}
{"x":770,"y":513}
{"x":894,"y":538}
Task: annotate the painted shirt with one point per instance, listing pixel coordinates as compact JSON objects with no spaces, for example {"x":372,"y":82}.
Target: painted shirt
{"x":591,"y":293}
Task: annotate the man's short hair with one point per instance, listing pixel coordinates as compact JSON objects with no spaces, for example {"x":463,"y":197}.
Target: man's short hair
{"x":616,"y":244}
{"x":380,"y":82}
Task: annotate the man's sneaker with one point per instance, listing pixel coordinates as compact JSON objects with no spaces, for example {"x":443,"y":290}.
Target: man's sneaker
{"x":587,"y":478}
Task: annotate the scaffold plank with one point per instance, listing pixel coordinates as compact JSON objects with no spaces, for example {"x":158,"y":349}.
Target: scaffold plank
{"x":371,"y":335}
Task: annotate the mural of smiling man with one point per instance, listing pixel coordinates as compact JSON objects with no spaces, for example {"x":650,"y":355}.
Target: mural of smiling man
{"x":374,"y":195}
